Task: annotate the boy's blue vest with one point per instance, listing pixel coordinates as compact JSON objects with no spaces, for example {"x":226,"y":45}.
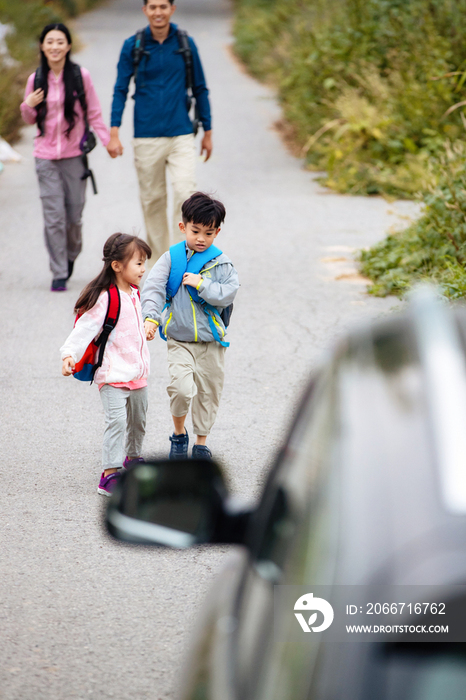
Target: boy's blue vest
{"x":180,"y":265}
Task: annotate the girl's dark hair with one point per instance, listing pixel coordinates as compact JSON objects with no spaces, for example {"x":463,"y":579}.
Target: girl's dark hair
{"x":203,"y":209}
{"x":68,"y":79}
{"x":120,"y":247}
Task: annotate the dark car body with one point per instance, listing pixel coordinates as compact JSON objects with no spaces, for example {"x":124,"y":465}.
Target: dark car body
{"x":368,"y":489}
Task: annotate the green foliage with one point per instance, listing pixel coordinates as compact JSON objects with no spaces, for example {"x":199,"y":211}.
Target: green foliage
{"x":434,"y":247}
{"x":357,"y":80}
{"x":26,"y":19}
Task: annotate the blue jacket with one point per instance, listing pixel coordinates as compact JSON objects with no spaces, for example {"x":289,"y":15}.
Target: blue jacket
{"x":160,"y":96}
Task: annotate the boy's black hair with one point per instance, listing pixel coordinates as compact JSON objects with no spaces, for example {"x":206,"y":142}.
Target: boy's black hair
{"x":146,"y":1}
{"x":203,"y":209}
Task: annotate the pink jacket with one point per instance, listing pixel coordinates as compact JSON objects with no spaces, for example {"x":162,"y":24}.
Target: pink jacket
{"x":54,"y":144}
{"x":126,"y":356}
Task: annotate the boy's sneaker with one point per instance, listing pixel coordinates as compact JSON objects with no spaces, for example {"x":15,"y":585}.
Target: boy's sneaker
{"x":179,"y":448}
{"x":58,"y":285}
{"x":201,"y":452}
{"x":128,"y":463}
{"x":107,"y":483}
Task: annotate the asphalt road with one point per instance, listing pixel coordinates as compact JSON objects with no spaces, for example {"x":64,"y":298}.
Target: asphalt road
{"x":80,"y":615}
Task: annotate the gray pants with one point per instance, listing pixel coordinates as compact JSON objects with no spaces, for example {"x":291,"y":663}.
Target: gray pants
{"x":62,"y":193}
{"x":125,"y":412}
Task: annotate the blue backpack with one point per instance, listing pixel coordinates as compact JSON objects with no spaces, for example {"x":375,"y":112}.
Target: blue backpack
{"x":180,"y":265}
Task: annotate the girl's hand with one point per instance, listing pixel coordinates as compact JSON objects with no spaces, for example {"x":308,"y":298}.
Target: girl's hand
{"x":35,"y":98}
{"x":192,"y":279}
{"x":68,"y":366}
{"x":150,"y":329}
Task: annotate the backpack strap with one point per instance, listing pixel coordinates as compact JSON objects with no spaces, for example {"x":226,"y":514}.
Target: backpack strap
{"x":139,"y":51}
{"x":185,"y":51}
{"x":81,"y":95}
{"x":111,"y":319}
{"x":137,"y":289}
{"x":38,"y":78}
{"x":180,"y":265}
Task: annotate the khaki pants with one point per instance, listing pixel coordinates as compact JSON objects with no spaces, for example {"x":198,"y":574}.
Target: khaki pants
{"x":196,"y":372}
{"x":152,"y":156}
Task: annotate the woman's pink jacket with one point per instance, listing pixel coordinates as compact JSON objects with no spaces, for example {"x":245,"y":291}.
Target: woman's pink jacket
{"x":54,"y":144}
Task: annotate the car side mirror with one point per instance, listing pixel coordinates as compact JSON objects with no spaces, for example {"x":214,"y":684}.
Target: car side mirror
{"x":179,"y":503}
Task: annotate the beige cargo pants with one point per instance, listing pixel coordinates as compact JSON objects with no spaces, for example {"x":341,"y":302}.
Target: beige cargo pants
{"x":196,"y":373}
{"x":152,"y":158}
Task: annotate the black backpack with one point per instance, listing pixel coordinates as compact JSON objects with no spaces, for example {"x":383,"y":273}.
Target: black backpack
{"x":185,"y":50}
{"x":88,"y":141}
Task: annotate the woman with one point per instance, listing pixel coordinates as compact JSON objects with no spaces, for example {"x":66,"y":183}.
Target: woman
{"x":55,"y":108}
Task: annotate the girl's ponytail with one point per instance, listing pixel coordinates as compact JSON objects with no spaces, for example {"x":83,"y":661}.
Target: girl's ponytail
{"x":120,"y":247}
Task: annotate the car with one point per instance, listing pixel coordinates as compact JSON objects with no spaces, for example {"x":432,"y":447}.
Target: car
{"x":366,"y":497}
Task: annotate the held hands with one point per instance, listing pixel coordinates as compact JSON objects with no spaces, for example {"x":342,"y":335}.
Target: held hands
{"x":115,"y":147}
{"x":35,"y":98}
{"x":150,"y":329}
{"x":68,"y":366}
{"x":191,"y":279}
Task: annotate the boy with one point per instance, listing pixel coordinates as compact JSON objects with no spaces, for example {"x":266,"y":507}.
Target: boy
{"x":198,"y":290}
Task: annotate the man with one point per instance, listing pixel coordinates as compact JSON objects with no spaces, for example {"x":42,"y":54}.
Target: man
{"x":163,"y":131}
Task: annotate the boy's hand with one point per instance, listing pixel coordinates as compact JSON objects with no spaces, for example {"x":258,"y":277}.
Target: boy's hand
{"x":191,"y":279}
{"x":68,"y":366}
{"x":150,"y":329}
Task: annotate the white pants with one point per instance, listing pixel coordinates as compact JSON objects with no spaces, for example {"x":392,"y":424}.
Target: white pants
{"x":152,"y":157}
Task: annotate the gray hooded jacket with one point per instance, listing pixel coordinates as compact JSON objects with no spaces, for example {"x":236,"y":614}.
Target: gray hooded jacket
{"x":185,"y":319}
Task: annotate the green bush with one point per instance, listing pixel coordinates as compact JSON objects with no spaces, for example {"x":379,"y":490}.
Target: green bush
{"x":434,"y":247}
{"x":27,"y":19}
{"x":358,"y":82}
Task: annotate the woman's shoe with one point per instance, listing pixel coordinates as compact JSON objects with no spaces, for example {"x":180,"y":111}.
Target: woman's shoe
{"x":58,"y":285}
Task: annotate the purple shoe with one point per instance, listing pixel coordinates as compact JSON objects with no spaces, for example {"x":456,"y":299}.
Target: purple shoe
{"x":58,"y":285}
{"x":107,"y":483}
{"x":128,"y":463}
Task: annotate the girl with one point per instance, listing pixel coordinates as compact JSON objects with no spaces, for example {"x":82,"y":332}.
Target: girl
{"x":57,"y":111}
{"x":122,"y":378}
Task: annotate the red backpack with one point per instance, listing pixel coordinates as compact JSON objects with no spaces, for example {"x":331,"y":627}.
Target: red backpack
{"x":94,"y":353}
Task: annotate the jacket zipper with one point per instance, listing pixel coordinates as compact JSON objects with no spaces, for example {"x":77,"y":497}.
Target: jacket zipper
{"x":168,"y":321}
{"x":140,"y":333}
{"x":194,"y":318}
{"x":57,"y":88}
